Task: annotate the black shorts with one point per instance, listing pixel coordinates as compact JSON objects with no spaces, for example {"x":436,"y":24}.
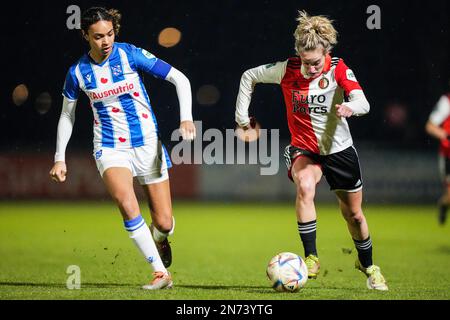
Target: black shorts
{"x":341,"y":170}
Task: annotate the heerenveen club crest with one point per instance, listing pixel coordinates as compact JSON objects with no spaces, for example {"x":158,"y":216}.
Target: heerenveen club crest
{"x":116,"y":70}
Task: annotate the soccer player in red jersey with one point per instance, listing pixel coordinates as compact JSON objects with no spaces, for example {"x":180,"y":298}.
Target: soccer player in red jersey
{"x":438,"y":126}
{"x":314,"y":84}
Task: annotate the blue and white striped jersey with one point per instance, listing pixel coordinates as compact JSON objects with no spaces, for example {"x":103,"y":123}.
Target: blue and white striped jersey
{"x":123,"y":117}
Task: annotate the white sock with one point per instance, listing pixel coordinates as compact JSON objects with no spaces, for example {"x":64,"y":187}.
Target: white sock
{"x":159,"y":236}
{"x":142,"y":238}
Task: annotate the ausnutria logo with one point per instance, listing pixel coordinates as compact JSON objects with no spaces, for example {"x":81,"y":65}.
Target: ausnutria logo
{"x":111,"y":92}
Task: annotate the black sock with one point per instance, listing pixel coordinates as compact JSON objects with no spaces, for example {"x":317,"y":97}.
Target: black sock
{"x":442,"y":213}
{"x":307,"y":233}
{"x":364,"y":248}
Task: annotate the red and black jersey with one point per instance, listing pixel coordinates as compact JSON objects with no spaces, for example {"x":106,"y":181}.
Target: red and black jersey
{"x":440,"y":116}
{"x":310,"y":103}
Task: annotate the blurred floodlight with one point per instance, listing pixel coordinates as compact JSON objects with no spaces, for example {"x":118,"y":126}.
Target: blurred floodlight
{"x":249,"y":135}
{"x":396,"y":114}
{"x":169,"y":37}
{"x":43,"y":103}
{"x":20,"y":94}
{"x":208,"y":95}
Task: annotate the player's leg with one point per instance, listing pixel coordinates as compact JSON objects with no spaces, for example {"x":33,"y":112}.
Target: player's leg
{"x":306,"y":174}
{"x":343,"y":174}
{"x":163,"y":222}
{"x":443,"y":204}
{"x":119,"y":183}
{"x":350,"y":204}
{"x":444,"y":201}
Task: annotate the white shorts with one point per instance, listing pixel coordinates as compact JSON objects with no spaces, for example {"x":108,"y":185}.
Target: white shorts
{"x":147,"y":163}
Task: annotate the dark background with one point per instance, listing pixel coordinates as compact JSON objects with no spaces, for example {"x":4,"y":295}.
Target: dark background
{"x":405,"y":63}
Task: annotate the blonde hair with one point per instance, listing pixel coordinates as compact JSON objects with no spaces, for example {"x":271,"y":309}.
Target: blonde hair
{"x":313,"y":32}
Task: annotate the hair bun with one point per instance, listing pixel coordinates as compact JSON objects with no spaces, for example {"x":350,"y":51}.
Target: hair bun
{"x":313,"y":32}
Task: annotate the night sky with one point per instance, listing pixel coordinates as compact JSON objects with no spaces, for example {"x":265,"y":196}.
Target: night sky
{"x":403,"y":68}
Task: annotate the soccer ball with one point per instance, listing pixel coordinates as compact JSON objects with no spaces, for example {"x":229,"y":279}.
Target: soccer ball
{"x":287,"y":272}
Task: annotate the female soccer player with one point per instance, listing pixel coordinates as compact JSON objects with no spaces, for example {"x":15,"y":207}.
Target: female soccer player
{"x":438,"y":126}
{"x":126,"y":142}
{"x":321,"y":143}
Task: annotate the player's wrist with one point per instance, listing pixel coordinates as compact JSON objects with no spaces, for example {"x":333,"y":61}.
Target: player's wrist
{"x":184,"y":120}
{"x":243,"y":125}
{"x":242,"y":121}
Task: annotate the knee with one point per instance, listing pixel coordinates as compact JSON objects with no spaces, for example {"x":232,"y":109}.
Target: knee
{"x":306,"y":187}
{"x":164,"y":223}
{"x":355,"y":217}
{"x":125,"y":200}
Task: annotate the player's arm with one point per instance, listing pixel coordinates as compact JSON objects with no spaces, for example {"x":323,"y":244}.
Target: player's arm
{"x":440,"y":112}
{"x":357,"y":104}
{"x":150,"y":64}
{"x":183,"y":87}
{"x":435,"y":131}
{"x":269,"y":73}
{"x":65,"y":127}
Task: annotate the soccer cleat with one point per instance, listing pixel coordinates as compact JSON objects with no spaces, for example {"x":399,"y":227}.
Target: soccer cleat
{"x":442,"y":214}
{"x":375,"y":279}
{"x":165,"y":252}
{"x":312,"y":262}
{"x":160,"y":280}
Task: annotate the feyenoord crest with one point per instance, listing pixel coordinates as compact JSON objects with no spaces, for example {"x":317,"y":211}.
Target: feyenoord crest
{"x":323,"y":83}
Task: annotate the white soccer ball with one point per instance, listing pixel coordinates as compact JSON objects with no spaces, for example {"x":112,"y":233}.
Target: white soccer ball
{"x":287,"y":272}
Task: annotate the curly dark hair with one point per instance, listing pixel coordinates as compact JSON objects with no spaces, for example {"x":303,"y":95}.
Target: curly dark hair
{"x":95,"y":14}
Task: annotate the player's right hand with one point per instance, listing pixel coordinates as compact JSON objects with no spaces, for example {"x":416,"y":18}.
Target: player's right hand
{"x":58,"y":172}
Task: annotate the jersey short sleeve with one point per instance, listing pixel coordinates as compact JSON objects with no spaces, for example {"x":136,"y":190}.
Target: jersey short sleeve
{"x":345,"y":78}
{"x":441,"y":111}
{"x":148,"y":63}
{"x":71,"y":87}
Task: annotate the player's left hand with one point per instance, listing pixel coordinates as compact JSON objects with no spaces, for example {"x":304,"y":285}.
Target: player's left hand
{"x":251,"y":125}
{"x":187,"y":130}
{"x":59,"y":171}
{"x":343,"y":111}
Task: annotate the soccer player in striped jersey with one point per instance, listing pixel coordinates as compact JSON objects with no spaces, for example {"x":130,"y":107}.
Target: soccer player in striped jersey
{"x":313,"y":84}
{"x":126,"y":142}
{"x":438,"y":126}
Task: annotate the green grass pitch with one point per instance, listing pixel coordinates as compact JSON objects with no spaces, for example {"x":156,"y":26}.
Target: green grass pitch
{"x":220,"y":252}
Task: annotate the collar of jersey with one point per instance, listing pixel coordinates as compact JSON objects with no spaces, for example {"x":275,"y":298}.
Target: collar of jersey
{"x":103,"y":63}
{"x":326,"y":68}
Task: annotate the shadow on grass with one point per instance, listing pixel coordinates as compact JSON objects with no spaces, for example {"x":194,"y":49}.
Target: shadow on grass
{"x":254,"y":289}
{"x":63,"y":286}
{"x":249,"y":289}
{"x":216,"y":287}
{"x":444,"y":249}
